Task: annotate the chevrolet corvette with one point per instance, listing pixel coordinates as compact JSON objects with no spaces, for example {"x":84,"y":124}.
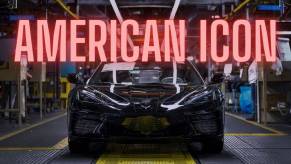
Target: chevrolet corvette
{"x":133,"y":102}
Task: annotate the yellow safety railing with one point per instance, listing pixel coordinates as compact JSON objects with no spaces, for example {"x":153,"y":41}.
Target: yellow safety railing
{"x":66,"y":8}
{"x":241,"y":5}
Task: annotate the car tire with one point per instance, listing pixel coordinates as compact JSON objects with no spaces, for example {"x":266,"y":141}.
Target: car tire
{"x":213,"y":146}
{"x":78,"y":147}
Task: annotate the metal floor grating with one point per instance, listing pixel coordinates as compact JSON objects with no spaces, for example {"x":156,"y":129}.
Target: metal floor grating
{"x":235,"y":142}
{"x":254,"y":153}
{"x":27,"y":157}
{"x":254,"y":156}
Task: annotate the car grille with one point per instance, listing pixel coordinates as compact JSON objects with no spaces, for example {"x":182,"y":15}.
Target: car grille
{"x":205,"y":123}
{"x":84,"y":127}
{"x":145,"y":124}
{"x":206,"y":126}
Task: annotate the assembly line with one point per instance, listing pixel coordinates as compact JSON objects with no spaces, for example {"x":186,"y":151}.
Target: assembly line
{"x":242,"y":141}
{"x":145,"y":81}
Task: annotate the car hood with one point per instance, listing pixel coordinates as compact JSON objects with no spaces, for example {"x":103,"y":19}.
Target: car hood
{"x":149,"y":95}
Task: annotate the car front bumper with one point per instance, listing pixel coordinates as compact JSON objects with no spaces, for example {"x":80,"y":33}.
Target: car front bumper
{"x":183,"y":124}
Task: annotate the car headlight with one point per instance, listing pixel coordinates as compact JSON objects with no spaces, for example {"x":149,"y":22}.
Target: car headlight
{"x":89,"y":97}
{"x":192,"y":98}
{"x":200,"y":98}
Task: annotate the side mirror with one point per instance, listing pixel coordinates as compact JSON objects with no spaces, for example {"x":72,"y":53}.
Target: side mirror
{"x":72,"y":78}
{"x":217,"y":78}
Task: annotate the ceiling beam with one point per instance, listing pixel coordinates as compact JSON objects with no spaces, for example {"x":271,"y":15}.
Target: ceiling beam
{"x":150,"y":2}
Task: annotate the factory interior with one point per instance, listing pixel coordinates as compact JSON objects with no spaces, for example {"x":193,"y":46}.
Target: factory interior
{"x":34,"y":96}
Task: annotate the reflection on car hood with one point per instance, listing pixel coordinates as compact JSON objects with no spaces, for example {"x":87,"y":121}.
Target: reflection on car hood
{"x":145,"y":94}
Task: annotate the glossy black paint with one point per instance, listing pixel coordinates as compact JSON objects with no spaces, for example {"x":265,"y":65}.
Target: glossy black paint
{"x":96,"y":113}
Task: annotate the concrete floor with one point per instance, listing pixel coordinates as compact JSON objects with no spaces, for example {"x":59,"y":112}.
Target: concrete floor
{"x":245,"y":142}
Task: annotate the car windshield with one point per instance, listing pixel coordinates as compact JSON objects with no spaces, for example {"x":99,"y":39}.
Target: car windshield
{"x":132,"y":73}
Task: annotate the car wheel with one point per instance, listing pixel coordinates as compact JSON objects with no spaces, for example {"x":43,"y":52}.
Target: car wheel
{"x":78,"y":147}
{"x":213,"y":146}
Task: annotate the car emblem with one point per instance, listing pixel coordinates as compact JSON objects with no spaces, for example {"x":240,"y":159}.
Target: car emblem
{"x":146,"y":107}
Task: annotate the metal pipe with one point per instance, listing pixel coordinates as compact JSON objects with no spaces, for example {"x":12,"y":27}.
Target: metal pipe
{"x":258,"y":98}
{"x":241,"y":5}
{"x":116,"y":10}
{"x":46,"y":9}
{"x":172,"y":16}
{"x":19,"y":101}
{"x":61,"y":3}
{"x":120,"y":19}
{"x":223,"y":10}
{"x":282,"y":7}
{"x":40,"y":98}
{"x":40,"y":82}
{"x":77,"y":7}
{"x":247,"y":13}
{"x":145,"y":6}
{"x":174,"y":9}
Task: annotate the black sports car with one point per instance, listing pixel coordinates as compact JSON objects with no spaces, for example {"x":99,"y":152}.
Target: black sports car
{"x":145,"y":102}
